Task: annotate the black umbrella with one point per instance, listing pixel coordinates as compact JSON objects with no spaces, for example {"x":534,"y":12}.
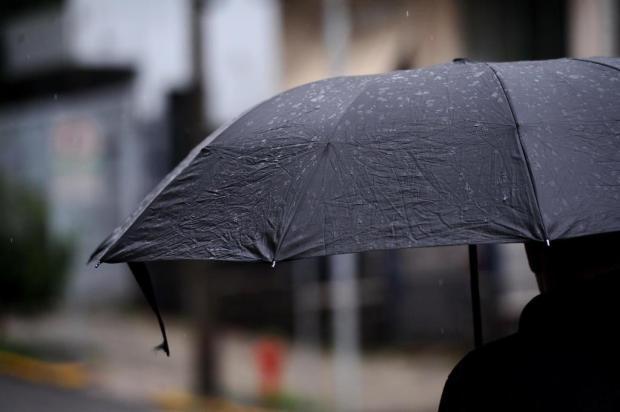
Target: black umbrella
{"x":461,"y":153}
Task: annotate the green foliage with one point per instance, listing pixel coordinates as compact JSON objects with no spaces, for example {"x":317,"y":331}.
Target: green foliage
{"x":33,"y":263}
{"x":290,"y":402}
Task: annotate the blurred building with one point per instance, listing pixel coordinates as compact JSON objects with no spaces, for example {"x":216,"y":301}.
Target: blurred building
{"x":82,"y":116}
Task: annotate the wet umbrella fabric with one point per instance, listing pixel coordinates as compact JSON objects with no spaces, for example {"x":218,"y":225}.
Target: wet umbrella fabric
{"x":460,"y":153}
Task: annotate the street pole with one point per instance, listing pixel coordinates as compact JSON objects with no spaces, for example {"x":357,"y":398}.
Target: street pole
{"x":202,"y":285}
{"x":307,"y":311}
{"x":343,"y":269}
{"x":343,"y":296}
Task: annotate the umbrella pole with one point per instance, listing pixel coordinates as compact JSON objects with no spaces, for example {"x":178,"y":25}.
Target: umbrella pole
{"x":474,"y":285}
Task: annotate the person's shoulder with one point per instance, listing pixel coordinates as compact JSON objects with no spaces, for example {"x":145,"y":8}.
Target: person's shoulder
{"x":490,"y":362}
{"x":491,"y":352}
{"x":478,"y":379}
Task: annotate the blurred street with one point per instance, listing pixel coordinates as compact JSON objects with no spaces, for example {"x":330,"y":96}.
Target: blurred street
{"x":116,"y":352}
{"x":28,"y":397}
{"x":123,"y":370}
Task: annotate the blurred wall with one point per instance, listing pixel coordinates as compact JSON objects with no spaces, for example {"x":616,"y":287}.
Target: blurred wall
{"x":593,"y":28}
{"x":241,"y":55}
{"x":83,"y":120}
{"x":384,"y":36}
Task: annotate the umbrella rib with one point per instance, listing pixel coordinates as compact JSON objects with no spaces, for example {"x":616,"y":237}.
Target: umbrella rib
{"x":287,"y":225}
{"x":522,"y":148}
{"x":595,"y":62}
{"x":365,"y":85}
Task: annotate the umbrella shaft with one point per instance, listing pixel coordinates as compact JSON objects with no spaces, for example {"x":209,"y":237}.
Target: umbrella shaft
{"x":475,"y":294}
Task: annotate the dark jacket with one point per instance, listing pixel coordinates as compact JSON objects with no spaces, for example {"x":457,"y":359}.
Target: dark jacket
{"x":564,"y":357}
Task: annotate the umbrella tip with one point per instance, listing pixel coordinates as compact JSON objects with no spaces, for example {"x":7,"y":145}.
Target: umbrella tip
{"x":273,"y":263}
{"x":163,"y":347}
{"x":97,"y":264}
{"x":548,"y":242}
{"x":461,"y":60}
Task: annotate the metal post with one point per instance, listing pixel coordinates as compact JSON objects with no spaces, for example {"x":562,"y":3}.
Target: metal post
{"x":307,"y":311}
{"x":343,"y":294}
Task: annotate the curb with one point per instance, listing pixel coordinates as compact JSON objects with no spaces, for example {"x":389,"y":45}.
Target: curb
{"x":68,"y":375}
{"x":182,"y":401}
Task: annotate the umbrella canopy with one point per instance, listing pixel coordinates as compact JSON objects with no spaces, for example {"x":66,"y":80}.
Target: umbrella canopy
{"x":460,"y":153}
{"x":452,"y":154}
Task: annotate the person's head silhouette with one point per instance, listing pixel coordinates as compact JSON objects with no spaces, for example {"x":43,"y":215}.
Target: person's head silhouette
{"x":568,"y":263}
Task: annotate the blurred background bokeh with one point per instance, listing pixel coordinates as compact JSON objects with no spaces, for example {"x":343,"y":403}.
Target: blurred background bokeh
{"x":100,"y":99}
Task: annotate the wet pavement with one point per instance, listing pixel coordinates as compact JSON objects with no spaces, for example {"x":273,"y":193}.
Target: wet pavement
{"x":21,"y":396}
{"x":117,"y":351}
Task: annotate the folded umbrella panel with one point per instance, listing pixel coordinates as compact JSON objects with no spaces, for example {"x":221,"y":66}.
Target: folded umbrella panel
{"x":404,"y":106}
{"x":228,"y":204}
{"x":569,"y":122}
{"x":424,"y":158}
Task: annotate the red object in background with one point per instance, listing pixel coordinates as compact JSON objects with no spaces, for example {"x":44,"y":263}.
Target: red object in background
{"x":269,"y":354}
